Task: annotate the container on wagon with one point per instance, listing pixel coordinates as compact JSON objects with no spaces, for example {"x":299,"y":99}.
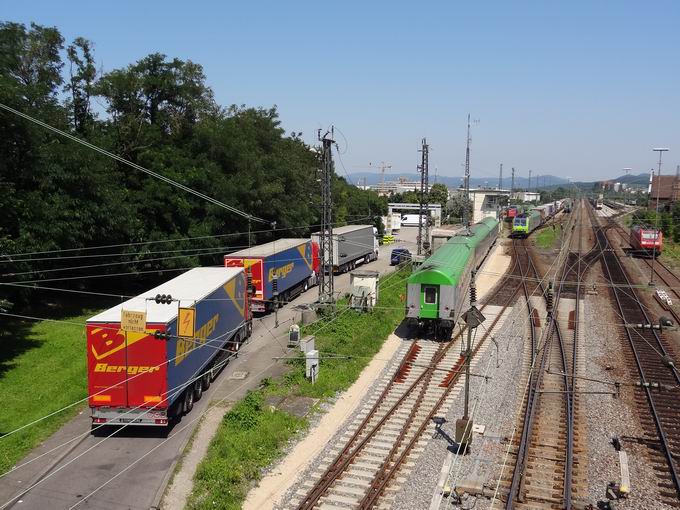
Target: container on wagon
{"x":149,"y":376}
{"x":293,"y":263}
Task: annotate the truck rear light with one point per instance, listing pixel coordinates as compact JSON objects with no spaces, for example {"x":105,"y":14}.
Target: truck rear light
{"x":98,"y":420}
{"x":161,"y":421}
{"x":152,"y":398}
{"x":101,"y":398}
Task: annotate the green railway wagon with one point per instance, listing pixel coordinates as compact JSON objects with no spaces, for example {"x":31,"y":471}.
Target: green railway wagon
{"x":437,"y":290}
{"x":525,"y":224}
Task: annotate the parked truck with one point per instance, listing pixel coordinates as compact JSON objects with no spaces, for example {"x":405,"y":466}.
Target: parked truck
{"x":147,"y":369}
{"x":352,"y":245}
{"x":293,"y":263}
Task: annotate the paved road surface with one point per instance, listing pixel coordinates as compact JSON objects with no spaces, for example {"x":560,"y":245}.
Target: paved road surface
{"x":74,"y":471}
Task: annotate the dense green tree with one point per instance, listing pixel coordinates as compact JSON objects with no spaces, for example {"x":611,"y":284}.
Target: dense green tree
{"x":159,"y":113}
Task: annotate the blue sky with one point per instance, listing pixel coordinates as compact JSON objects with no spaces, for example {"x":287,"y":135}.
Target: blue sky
{"x":580,"y":88}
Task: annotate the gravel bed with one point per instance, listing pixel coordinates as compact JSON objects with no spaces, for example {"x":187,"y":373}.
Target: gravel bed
{"x":314,"y":466}
{"x":492,"y":403}
{"x":607,"y":417}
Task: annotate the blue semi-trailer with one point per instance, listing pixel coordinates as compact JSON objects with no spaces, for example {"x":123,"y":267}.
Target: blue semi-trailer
{"x":146,"y":378}
{"x":293,"y":263}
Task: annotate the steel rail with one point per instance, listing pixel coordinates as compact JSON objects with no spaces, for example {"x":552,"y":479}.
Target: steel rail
{"x":518,"y":478}
{"x":518,"y":473}
{"x":602,"y":240}
{"x":390,"y":467}
{"x":387,"y":471}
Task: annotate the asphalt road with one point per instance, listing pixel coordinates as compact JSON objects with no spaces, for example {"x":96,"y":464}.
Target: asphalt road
{"x":130,"y":469}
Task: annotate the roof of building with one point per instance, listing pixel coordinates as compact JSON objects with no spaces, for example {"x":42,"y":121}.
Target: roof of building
{"x":666,"y":189}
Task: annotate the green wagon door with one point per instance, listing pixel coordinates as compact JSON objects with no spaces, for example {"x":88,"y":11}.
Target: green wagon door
{"x":429,"y":301}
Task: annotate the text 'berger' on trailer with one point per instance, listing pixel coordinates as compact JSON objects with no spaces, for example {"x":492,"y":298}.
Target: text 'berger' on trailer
{"x":293,"y":263}
{"x":147,"y":373}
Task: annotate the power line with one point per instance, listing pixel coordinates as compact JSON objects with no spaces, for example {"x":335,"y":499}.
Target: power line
{"x":140,"y":168}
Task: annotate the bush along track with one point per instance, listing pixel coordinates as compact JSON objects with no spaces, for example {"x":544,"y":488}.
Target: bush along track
{"x":252,"y":435}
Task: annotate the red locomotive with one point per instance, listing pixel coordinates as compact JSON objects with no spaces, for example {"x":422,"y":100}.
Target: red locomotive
{"x":646,"y":241}
{"x":513,"y":211}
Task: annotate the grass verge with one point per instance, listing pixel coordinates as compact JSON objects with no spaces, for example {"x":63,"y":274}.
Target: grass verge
{"x":548,"y":236}
{"x":251,"y":436}
{"x":48,"y":370}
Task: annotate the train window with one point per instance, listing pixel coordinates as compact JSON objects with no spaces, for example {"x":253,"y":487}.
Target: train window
{"x":430,"y":295}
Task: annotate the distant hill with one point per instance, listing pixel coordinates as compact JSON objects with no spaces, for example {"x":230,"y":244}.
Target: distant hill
{"x":454,"y":182}
{"x":550,"y":181}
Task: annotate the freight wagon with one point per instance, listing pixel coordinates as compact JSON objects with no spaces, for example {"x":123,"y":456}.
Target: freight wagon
{"x":352,"y":245}
{"x":646,"y":241}
{"x":292,"y":263}
{"x":147,"y":377}
{"x":438,"y":290}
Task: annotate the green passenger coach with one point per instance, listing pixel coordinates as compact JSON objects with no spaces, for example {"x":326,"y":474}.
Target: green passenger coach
{"x":437,"y":290}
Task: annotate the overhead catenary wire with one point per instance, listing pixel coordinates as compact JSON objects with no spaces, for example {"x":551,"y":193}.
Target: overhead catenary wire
{"x":129,"y":163}
{"x":16,"y":256}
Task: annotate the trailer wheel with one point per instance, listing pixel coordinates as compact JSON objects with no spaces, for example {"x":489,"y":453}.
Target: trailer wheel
{"x":205,"y":380}
{"x":188,"y":400}
{"x":198,"y":389}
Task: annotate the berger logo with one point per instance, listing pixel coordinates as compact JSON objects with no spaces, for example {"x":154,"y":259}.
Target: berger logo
{"x":114,"y":341}
{"x":236,"y":290}
{"x":130,"y":369}
{"x":281,"y":272}
{"x":186,"y":345}
{"x":306,"y":253}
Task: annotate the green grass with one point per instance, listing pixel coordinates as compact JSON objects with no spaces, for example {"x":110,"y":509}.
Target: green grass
{"x":547,"y":237}
{"x":48,"y":372}
{"x":252,"y":436}
{"x":671,"y":252}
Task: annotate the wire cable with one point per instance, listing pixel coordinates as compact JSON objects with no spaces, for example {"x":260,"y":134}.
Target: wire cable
{"x":140,"y":168}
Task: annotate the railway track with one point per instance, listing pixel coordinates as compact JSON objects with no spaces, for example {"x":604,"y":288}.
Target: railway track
{"x":657,"y":396}
{"x":544,"y":453}
{"x":665,"y":275}
{"x":388,"y":436}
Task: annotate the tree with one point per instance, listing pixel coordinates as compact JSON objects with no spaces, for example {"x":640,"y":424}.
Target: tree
{"x":459,"y":208}
{"x":81,"y":82}
{"x":439,"y":194}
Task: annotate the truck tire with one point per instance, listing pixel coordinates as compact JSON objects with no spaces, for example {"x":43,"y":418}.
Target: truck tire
{"x":188,"y":401}
{"x":205,"y":380}
{"x":198,"y":389}
{"x":305,"y":286}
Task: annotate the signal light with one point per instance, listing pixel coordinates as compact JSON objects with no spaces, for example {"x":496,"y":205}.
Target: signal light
{"x":163,"y":299}
{"x":159,"y":335}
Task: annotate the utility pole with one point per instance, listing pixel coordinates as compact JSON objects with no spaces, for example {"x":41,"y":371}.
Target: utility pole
{"x":326,"y":232}
{"x":424,"y":210}
{"x":473,"y":318}
{"x":500,"y":178}
{"x":660,"y":150}
{"x":467,"y":161}
{"x":512,"y":182}
{"x":529,"y":180}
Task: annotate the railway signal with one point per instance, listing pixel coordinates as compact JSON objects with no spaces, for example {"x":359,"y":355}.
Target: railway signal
{"x":473,"y":318}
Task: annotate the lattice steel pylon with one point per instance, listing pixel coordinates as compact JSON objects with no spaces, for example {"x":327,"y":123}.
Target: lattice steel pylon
{"x":424,"y":210}
{"x":326,"y":233}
